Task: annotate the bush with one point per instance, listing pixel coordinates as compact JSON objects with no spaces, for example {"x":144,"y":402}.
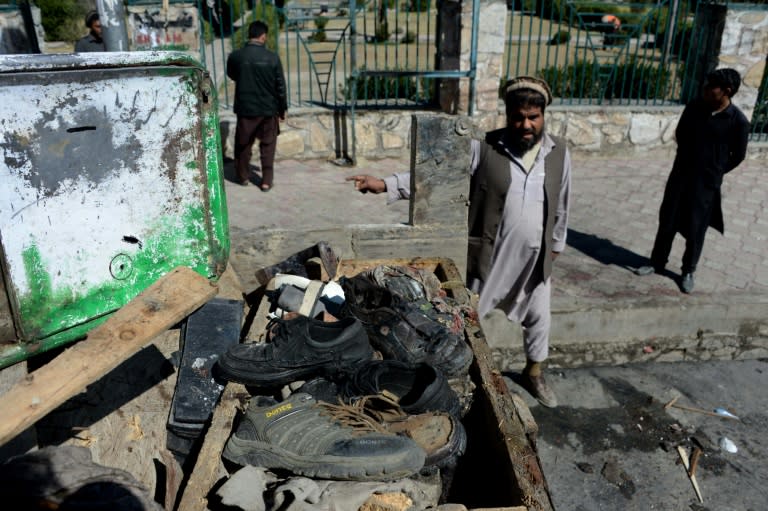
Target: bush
{"x":266,"y":13}
{"x":636,"y":80}
{"x":63,"y":20}
{"x":390,"y":87}
{"x":561,"y":37}
{"x":409,"y":38}
{"x":577,"y":80}
{"x":419,"y":5}
{"x":628,"y":80}
{"x":319,"y":35}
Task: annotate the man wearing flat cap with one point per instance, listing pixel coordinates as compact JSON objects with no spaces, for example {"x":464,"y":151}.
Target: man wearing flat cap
{"x":518,"y":216}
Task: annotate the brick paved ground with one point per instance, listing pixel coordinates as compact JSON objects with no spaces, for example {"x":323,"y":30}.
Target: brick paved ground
{"x":613,"y":221}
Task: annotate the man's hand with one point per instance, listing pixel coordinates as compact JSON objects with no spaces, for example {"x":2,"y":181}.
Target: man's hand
{"x":554,"y":255}
{"x":365,"y":183}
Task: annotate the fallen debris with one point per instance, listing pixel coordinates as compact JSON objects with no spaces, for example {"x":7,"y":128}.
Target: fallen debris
{"x":673,"y":404}
{"x":163,"y":304}
{"x":684,"y":458}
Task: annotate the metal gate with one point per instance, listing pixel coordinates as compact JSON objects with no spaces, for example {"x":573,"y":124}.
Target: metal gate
{"x":345,"y":56}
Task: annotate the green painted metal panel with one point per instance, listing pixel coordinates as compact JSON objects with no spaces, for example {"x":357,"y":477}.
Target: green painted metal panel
{"x":111,"y":167}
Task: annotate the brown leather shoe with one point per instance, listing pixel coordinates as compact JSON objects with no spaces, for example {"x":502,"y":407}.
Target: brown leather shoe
{"x":539,"y":389}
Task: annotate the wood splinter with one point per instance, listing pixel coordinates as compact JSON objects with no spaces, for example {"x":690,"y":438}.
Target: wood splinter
{"x":688,"y":469}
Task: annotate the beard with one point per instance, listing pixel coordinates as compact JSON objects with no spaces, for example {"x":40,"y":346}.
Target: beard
{"x":520,"y":144}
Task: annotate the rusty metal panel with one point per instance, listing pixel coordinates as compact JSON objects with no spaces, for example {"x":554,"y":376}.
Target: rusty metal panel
{"x":111,"y":176}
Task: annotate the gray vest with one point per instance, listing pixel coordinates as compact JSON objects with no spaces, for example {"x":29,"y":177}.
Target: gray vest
{"x":487,"y":194}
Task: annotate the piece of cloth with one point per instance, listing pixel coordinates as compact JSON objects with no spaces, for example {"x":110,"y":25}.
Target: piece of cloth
{"x":247,"y":131}
{"x":708,"y":147}
{"x":245,"y":488}
{"x":90,"y":43}
{"x":65,"y":477}
{"x":254,"y":489}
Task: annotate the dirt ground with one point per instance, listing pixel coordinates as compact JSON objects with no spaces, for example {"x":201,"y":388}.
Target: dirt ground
{"x":612,"y":444}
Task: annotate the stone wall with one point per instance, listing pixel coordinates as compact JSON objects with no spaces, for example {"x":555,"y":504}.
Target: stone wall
{"x":591,"y":131}
{"x":743,"y":47}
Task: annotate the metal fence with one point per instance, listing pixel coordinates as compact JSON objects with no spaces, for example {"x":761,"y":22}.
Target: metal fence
{"x":600,"y":52}
{"x":370,"y":53}
{"x":382,"y":53}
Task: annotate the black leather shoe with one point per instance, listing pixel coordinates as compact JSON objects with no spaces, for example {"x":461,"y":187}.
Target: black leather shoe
{"x":686,"y":285}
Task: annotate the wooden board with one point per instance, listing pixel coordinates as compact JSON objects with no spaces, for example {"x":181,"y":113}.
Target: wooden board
{"x":159,"y":307}
{"x":207,"y":465}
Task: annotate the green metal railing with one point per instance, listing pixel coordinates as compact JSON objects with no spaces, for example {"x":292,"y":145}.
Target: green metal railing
{"x":373,"y":53}
{"x":600,"y":52}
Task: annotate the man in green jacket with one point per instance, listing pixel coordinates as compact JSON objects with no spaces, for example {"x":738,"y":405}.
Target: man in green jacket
{"x":260,"y":103}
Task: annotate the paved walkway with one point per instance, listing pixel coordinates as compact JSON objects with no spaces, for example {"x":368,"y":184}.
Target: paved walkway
{"x":596,"y":296}
{"x":613,"y":221}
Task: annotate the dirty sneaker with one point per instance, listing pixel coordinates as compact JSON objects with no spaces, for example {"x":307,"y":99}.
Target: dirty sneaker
{"x":405,"y":330}
{"x":441,"y":435}
{"x":297,"y":349}
{"x":308,"y":438}
{"x":418,"y":388}
{"x":539,"y":389}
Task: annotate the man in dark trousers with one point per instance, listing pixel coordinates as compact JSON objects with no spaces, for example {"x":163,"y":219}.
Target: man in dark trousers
{"x":711,"y":141}
{"x":260,"y":103}
{"x":93,"y":41}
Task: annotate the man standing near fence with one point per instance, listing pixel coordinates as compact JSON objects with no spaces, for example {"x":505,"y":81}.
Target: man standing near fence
{"x":260,"y":103}
{"x":93,"y":41}
{"x":711,"y":141}
{"x":518,"y":216}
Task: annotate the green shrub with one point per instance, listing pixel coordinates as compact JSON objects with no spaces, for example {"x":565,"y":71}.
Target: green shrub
{"x":419,"y":5}
{"x":63,"y":20}
{"x":266,"y":13}
{"x":381,"y":33}
{"x":576,"y":80}
{"x":630,"y":80}
{"x":390,"y":87}
{"x":638,"y":80}
{"x":409,"y":38}
{"x":561,"y":37}
{"x":319,"y":35}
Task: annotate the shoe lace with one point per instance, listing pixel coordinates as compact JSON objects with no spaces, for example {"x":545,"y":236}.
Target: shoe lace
{"x":279,"y":329}
{"x":350,"y":417}
{"x":367,"y":413}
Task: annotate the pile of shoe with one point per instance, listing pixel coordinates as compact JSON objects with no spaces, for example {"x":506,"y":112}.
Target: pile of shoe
{"x":354,"y":379}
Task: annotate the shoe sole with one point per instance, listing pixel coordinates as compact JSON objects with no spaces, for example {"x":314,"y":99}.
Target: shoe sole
{"x":262,"y":454}
{"x":260,"y":377}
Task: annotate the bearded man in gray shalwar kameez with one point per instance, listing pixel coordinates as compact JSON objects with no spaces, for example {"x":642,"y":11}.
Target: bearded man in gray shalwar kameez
{"x":518,"y":217}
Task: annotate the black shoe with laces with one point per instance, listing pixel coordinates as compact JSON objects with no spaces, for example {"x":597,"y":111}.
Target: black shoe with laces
{"x":297,"y":349}
{"x":418,"y":388}
{"x":405,"y":330}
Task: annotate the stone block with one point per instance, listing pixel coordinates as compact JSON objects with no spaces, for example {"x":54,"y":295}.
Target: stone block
{"x":644,"y":129}
{"x":580,"y":133}
{"x":319,"y":138}
{"x":289,"y":144}
{"x":392,"y":141}
{"x":440,"y":156}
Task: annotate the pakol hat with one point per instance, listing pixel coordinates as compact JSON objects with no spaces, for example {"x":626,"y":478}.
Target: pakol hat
{"x":531,"y":83}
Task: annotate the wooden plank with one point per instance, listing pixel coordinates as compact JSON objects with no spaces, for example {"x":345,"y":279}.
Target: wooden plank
{"x":159,"y":307}
{"x":206,"y":469}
